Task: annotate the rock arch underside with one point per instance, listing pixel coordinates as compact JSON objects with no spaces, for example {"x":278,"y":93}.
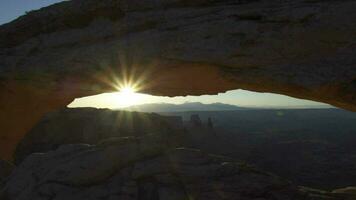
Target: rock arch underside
{"x":48,"y":57}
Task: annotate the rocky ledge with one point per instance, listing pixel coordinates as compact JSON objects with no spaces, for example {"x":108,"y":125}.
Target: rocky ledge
{"x":146,"y":168}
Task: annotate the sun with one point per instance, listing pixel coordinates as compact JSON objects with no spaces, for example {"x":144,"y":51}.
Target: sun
{"x":127,"y":96}
{"x":127,"y":90}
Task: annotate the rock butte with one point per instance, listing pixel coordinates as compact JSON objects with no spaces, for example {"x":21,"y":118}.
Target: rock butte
{"x":78,"y":48}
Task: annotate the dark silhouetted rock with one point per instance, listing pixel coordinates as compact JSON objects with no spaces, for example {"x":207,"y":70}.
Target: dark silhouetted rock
{"x":5,"y":170}
{"x":310,"y":147}
{"x":195,"y":121}
{"x":348,"y":193}
{"x":210,"y":123}
{"x":175,"y":122}
{"x":145,"y":168}
{"x":90,"y":126}
{"x":49,"y":57}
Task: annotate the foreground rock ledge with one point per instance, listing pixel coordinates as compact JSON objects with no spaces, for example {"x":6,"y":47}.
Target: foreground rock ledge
{"x":129,"y":168}
{"x":78,"y":48}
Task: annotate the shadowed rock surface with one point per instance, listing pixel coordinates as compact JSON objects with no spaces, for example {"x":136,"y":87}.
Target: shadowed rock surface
{"x":310,"y":147}
{"x":90,"y":126}
{"x":147,"y":168}
{"x":78,"y":48}
{"x":5,"y":171}
{"x":348,"y":192}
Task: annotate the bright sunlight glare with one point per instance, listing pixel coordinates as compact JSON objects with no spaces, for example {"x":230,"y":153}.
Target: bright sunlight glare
{"x":127,"y":90}
{"x":126,"y":96}
{"x":129,"y":97}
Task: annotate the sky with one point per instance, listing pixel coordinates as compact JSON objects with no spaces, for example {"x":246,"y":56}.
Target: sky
{"x":11,"y":9}
{"x":241,"y":98}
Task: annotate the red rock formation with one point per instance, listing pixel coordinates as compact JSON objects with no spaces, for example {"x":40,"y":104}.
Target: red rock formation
{"x":300,"y":48}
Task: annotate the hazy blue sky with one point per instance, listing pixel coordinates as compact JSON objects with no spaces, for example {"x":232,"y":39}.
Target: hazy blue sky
{"x":11,"y":9}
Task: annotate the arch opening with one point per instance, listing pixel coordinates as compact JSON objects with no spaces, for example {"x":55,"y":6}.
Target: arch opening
{"x":128,"y":99}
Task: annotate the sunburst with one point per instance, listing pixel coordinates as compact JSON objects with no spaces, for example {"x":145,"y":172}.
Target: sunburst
{"x":127,"y":96}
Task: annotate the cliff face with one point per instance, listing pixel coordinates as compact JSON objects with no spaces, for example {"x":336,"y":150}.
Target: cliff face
{"x":78,"y":48}
{"x":131,"y":168}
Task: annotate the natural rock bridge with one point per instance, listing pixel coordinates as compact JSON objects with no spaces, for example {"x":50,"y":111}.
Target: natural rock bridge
{"x":304,"y":49}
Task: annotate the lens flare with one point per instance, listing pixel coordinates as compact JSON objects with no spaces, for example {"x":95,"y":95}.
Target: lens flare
{"x":127,"y":96}
{"x":127,"y":90}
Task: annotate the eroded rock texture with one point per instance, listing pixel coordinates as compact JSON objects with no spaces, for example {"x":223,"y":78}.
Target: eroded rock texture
{"x":173,"y":47}
{"x":90,"y":126}
{"x":129,"y":168}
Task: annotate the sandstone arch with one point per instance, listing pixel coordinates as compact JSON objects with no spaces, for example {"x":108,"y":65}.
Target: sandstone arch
{"x":78,"y":48}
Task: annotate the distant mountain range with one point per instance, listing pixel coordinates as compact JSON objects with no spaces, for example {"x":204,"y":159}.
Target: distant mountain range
{"x":189,"y":106}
